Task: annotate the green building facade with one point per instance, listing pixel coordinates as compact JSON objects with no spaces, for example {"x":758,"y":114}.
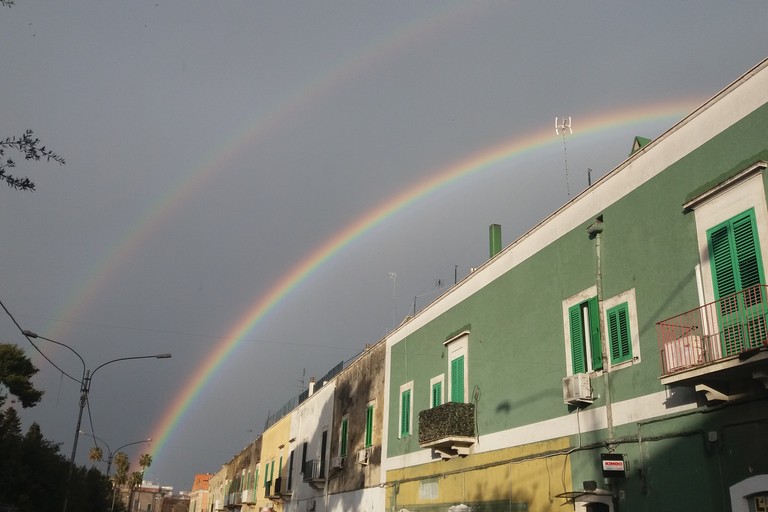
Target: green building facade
{"x":613,"y":357}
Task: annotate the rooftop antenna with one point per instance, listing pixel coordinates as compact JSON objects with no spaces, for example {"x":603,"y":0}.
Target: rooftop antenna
{"x":438,"y":285}
{"x":563,"y":127}
{"x":393,"y":277}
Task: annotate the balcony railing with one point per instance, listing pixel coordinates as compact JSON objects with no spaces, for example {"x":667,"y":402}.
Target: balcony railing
{"x":448,"y":428}
{"x":314,"y":473}
{"x":728,"y":327}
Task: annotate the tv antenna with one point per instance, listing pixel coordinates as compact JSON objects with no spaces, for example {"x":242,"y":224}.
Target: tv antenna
{"x":563,"y":127}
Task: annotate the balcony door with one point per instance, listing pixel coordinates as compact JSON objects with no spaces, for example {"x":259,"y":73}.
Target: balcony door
{"x":734,"y":253}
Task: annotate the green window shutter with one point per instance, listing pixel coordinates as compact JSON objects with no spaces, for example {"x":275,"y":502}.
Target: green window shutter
{"x":734,"y":253}
{"x":577,"y":339}
{"x":721,"y":257}
{"x":266,"y":474}
{"x":272,"y":471}
{"x":405,"y":412}
{"x":437,"y":394}
{"x":369,"y":426}
{"x":457,"y":380}
{"x":343,"y":443}
{"x":747,"y":250}
{"x":256,"y":480}
{"x":594,"y":334}
{"x":618,"y":331}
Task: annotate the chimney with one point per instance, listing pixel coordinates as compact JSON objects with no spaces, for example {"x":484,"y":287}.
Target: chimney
{"x":311,"y":386}
{"x":494,"y":235}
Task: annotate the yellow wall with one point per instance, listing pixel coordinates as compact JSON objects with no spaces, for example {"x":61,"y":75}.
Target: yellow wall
{"x":272,"y":439}
{"x":485,"y":477}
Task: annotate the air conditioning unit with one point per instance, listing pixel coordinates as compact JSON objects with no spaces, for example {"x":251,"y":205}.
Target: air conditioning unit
{"x":577,"y":389}
{"x":362,"y":456}
{"x":337,"y":462}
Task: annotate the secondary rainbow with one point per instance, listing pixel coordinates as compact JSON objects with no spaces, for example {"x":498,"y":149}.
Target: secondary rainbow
{"x":501,"y":154}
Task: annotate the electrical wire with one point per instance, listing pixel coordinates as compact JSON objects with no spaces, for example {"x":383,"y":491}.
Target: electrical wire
{"x":33,"y":343}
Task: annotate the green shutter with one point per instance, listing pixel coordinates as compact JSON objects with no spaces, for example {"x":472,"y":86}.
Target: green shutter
{"x":721,"y":257}
{"x":745,"y":242}
{"x":369,"y":426}
{"x":405,"y":412}
{"x":618,"y":332}
{"x":734,"y":253}
{"x":457,"y":380}
{"x":577,"y":339}
{"x":437,"y":394}
{"x":594,"y":334}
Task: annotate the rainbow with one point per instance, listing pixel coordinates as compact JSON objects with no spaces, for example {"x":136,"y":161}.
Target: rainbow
{"x":493,"y":157}
{"x":312,"y":93}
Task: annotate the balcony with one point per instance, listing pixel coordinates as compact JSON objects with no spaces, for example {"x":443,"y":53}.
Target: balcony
{"x":314,"y":473}
{"x":249,"y":497}
{"x":449,"y":429}
{"x":719,"y":346}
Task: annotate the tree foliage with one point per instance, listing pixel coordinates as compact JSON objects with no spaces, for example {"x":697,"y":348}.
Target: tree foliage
{"x":30,"y":147}
{"x":16,"y":372}
{"x":33,"y":472}
{"x":95,"y":454}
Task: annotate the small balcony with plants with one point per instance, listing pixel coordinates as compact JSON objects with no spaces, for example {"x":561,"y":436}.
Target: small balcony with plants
{"x":449,"y":429}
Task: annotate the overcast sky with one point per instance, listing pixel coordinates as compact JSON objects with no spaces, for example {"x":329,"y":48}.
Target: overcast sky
{"x":212,"y":147}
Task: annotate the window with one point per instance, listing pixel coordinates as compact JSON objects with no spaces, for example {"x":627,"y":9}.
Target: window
{"x":457,"y":367}
{"x":369,"y":425}
{"x":735,"y":262}
{"x":436,"y":385}
{"x":343,"y":436}
{"x":290,"y":471}
{"x":303,"y":457}
{"x":323,"y":447}
{"x":584,"y":330}
{"x":618,"y":331}
{"x":406,"y":409}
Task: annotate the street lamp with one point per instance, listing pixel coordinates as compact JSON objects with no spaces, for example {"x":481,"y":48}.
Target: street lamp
{"x":85,"y":387}
{"x":110,"y":453}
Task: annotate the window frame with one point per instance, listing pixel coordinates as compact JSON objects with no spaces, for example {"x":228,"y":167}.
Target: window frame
{"x":725,"y":201}
{"x":369,"y":421}
{"x":458,"y":348}
{"x":405,"y":428}
{"x":437,"y":381}
{"x":344,"y":436}
{"x":568,"y":304}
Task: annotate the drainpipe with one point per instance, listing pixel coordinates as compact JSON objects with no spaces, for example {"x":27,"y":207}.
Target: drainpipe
{"x":595,"y":231}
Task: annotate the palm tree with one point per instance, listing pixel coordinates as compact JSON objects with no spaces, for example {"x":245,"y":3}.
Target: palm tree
{"x":134,"y":481}
{"x":96,"y":454}
{"x":145,"y":461}
{"x":120,"y":477}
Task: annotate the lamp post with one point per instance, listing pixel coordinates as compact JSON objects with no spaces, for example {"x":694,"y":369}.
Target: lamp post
{"x":85,"y":387}
{"x":111,"y":455}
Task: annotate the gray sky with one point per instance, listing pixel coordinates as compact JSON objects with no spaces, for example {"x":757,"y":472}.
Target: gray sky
{"x":212,"y":147}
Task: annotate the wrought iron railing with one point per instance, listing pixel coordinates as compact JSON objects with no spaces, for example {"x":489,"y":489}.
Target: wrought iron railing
{"x":726,"y":327}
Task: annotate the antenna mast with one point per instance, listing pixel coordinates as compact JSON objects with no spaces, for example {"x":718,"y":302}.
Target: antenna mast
{"x":563,"y":127}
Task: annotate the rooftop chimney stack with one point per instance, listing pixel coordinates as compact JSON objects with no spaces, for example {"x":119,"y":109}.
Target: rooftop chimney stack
{"x":494,"y":235}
